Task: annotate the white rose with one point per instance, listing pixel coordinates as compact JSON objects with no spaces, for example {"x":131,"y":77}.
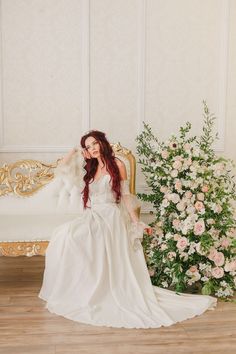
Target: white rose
{"x":180,"y":206}
{"x":175,"y":198}
{"x":177,"y":165}
{"x":174,"y":173}
{"x":165,"y":203}
{"x":200,"y":196}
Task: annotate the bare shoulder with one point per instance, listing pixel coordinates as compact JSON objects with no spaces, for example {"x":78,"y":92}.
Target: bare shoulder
{"x":122,"y":168}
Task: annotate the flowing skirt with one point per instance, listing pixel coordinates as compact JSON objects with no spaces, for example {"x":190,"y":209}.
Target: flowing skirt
{"x":93,"y":275}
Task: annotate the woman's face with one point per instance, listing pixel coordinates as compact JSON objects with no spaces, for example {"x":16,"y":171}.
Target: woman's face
{"x":92,"y":146}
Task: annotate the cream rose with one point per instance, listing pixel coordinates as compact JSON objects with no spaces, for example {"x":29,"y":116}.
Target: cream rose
{"x":164,"y":154}
{"x":200,"y":196}
{"x":171,"y":255}
{"x":177,"y":165}
{"x":177,"y":237}
{"x":230,"y":266}
{"x":181,"y":206}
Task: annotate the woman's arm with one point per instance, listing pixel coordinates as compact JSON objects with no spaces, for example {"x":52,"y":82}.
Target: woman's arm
{"x":67,"y":158}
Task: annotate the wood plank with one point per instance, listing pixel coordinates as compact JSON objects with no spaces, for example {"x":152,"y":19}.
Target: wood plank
{"x":26,"y":326}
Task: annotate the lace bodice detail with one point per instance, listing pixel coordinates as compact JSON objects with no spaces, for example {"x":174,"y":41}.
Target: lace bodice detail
{"x":100,"y":191}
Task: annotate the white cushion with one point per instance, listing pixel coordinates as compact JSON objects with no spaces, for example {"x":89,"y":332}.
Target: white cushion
{"x":56,"y":197}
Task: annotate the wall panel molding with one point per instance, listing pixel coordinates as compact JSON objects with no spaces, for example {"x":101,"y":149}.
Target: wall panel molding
{"x":85,"y":70}
{"x":85,"y":65}
{"x":1,"y":83}
{"x":141,"y":64}
{"x":223,"y":74}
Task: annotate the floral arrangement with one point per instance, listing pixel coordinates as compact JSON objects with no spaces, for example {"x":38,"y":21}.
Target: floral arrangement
{"x":192,"y":190}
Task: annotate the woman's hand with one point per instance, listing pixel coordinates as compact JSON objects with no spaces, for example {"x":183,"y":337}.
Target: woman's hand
{"x":146,"y":228}
{"x":86,"y":154}
{"x":66,"y":159}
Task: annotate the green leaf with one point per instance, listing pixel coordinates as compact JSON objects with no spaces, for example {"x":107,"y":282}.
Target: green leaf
{"x":206,"y":289}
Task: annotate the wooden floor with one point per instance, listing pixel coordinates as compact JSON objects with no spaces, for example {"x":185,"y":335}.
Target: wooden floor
{"x":26,"y":327}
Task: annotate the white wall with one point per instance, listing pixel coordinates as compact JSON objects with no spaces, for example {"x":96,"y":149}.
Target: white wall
{"x":70,"y":66}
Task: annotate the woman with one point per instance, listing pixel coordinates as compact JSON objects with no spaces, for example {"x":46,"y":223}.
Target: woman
{"x":95,"y":269}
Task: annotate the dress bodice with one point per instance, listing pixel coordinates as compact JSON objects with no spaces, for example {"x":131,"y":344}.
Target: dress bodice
{"x":100,"y":191}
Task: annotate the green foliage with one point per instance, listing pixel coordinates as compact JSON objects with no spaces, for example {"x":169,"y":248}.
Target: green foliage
{"x":192,"y":192}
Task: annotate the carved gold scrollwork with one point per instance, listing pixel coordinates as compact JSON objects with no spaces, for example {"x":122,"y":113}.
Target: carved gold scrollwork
{"x":23,"y":248}
{"x":25,"y":177}
{"x":122,"y":151}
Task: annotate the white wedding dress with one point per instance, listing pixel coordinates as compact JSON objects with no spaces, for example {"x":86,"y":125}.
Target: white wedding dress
{"x":95,"y":270}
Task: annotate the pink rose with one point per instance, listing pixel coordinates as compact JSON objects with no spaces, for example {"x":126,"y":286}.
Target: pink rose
{"x":178,"y":185}
{"x":182,"y":243}
{"x":205,"y":188}
{"x":212,"y":254}
{"x":225,"y":243}
{"x":219,"y":259}
{"x":217,"y":272}
{"x":199,"y":205}
{"x":188,"y":194}
{"x":199,"y":227}
{"x":176,"y":223}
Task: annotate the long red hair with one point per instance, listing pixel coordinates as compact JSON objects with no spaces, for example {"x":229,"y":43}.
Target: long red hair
{"x":108,"y":158}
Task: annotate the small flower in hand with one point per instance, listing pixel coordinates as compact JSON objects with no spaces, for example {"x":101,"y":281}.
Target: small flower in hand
{"x":149,"y":230}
